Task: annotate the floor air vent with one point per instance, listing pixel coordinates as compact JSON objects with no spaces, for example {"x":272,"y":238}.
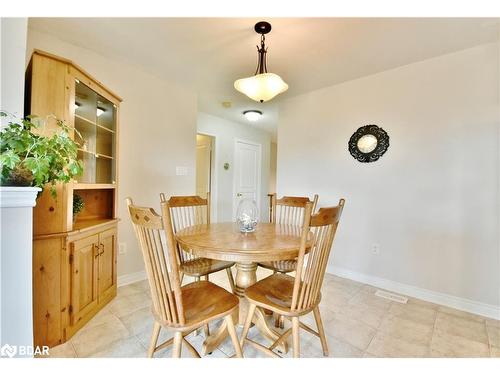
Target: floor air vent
{"x":391,"y":296}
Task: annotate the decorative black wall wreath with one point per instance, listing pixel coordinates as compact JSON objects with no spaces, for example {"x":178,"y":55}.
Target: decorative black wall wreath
{"x":368,"y":143}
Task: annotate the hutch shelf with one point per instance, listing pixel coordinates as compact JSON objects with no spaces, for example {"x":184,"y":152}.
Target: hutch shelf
{"x":74,"y":258}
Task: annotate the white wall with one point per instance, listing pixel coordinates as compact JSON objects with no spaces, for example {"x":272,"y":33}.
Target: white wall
{"x":157,"y":133}
{"x":13,"y":37}
{"x":274,"y":165}
{"x":431,"y":201}
{"x":225,"y":133}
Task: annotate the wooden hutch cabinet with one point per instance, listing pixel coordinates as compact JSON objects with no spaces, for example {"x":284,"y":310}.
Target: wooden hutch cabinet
{"x":74,"y":258}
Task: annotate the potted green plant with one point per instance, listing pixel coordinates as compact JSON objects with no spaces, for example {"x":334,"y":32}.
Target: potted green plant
{"x":37,"y":159}
{"x":78,"y":205}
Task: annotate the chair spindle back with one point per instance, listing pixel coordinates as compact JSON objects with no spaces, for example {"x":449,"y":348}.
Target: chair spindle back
{"x":319,"y":230}
{"x":186,"y":211}
{"x":290,"y":210}
{"x":160,"y":260}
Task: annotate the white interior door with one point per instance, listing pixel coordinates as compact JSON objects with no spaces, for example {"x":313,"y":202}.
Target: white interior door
{"x":247,"y":171}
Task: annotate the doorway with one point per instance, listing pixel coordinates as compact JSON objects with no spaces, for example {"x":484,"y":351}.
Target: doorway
{"x":204,"y":169}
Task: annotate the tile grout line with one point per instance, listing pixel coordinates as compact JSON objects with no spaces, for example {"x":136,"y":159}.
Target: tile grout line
{"x":377,"y":330}
{"x":74,"y":349}
{"x":141,"y":344}
{"x":433,"y":332}
{"x":373,"y":338}
{"x":488,"y":337}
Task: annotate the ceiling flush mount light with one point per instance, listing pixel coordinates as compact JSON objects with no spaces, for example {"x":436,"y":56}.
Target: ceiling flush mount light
{"x":252,"y":115}
{"x":263,"y":86}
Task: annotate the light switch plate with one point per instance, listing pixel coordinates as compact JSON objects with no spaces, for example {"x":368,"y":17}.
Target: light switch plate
{"x":181,"y":171}
{"x":122,"y":248}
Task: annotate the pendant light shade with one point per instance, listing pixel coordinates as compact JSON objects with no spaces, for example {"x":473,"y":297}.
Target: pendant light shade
{"x":263,"y":86}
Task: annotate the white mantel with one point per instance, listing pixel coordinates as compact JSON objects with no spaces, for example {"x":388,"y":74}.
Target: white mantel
{"x":16,"y":301}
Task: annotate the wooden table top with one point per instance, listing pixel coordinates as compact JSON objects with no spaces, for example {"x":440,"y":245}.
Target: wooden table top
{"x":224,"y":241}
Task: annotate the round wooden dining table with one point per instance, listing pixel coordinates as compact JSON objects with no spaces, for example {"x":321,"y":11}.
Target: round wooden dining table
{"x":224,"y":241}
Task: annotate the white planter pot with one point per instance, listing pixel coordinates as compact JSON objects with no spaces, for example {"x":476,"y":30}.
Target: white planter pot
{"x":16,"y":301}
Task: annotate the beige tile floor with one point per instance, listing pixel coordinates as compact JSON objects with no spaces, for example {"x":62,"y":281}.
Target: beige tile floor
{"x":357,"y":324}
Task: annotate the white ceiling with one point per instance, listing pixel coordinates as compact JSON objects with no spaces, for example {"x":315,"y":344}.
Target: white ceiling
{"x":208,"y":54}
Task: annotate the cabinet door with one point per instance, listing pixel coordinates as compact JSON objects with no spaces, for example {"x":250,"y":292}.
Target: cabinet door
{"x":84,"y":268}
{"x":107,"y":262}
{"x":95,"y":119}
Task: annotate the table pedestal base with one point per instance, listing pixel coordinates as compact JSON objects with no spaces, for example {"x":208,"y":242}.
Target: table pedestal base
{"x":246,"y":276}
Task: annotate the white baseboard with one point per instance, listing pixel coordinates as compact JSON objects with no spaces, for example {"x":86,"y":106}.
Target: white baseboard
{"x":474,"y":307}
{"x":131,"y":278}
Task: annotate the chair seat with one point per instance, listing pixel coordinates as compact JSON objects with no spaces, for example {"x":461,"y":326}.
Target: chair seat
{"x":204,"y":266}
{"x":204,"y":301}
{"x":275,"y":293}
{"x":283,"y":266}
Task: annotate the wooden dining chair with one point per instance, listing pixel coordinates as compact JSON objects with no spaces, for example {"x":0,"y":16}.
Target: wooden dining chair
{"x":181,"y":309}
{"x":294,"y":297}
{"x":186,"y":211}
{"x":290,"y":211}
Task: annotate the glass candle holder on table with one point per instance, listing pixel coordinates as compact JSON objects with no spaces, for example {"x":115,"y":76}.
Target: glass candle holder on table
{"x":247,"y":215}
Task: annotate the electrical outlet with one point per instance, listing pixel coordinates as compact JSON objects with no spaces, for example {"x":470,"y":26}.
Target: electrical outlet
{"x":376,"y":249}
{"x":122,"y":248}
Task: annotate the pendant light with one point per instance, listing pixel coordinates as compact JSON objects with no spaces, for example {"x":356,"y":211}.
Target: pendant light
{"x":263,"y":86}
